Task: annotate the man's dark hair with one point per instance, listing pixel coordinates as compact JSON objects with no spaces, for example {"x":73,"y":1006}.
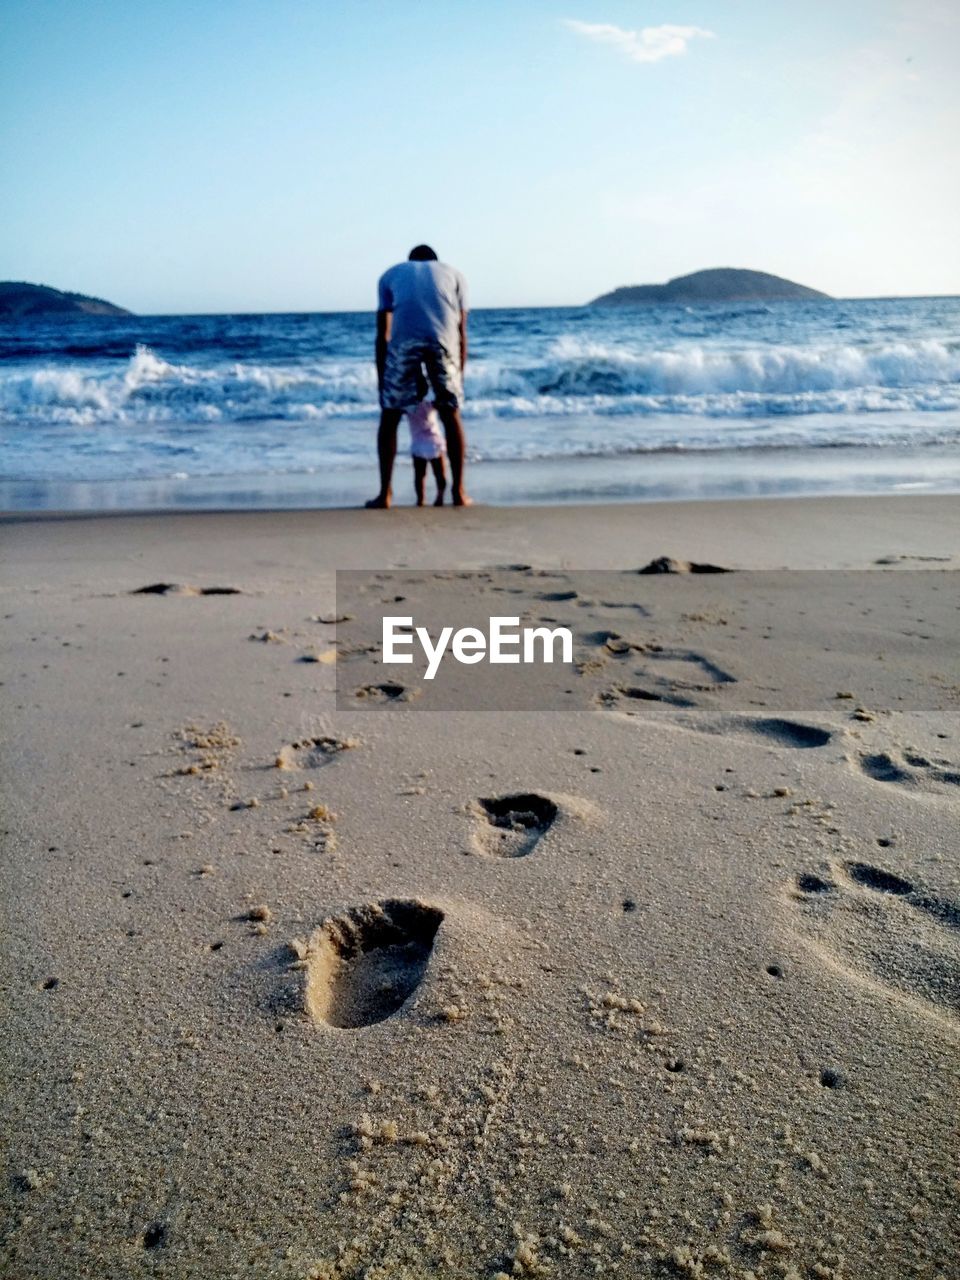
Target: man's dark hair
{"x":422,"y":253}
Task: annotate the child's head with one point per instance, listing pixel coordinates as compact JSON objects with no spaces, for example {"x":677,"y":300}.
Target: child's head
{"x":422,"y":385}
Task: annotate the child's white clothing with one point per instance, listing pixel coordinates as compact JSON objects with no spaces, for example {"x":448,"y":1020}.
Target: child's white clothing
{"x":426,"y":435}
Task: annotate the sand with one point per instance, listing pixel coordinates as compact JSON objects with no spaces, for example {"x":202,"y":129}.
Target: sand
{"x":665,"y":983}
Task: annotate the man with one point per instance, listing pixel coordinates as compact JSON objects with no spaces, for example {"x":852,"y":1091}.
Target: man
{"x":421,"y":324}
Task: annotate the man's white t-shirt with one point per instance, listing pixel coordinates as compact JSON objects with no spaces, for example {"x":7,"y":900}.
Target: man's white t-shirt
{"x":427,"y":299}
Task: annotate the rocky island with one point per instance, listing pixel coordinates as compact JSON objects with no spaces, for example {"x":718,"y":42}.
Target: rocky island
{"x":719,"y":284}
{"x":22,"y":301}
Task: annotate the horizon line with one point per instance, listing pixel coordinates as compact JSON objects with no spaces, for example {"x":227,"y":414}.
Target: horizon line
{"x":553,"y":306}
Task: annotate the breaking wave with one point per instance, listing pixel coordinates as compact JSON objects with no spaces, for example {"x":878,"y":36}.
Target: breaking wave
{"x":152,"y":397}
{"x":573,"y":378}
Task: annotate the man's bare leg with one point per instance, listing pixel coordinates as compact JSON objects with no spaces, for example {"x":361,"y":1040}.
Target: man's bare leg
{"x":387,"y":451}
{"x":456,"y":447}
{"x":440,"y":476}
{"x":420,"y":479}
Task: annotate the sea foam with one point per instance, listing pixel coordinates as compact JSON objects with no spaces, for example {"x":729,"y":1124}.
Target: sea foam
{"x":574,"y":376}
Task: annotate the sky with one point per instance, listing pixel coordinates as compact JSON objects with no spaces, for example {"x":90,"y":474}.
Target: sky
{"x":278,"y":155}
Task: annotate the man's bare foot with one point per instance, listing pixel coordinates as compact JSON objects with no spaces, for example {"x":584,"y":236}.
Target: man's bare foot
{"x":378,"y":503}
{"x":438,"y":500}
{"x":419,"y":502}
{"x":461,"y":500}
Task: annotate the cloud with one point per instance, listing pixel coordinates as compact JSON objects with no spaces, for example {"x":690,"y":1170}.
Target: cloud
{"x":649,"y":44}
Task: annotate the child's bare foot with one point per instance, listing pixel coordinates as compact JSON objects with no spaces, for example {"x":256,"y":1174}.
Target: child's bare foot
{"x":419,"y":499}
{"x":438,"y":500}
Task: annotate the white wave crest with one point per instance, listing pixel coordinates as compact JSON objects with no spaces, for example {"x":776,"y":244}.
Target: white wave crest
{"x":150,"y":389}
{"x":573,"y":377}
{"x":577,"y":364}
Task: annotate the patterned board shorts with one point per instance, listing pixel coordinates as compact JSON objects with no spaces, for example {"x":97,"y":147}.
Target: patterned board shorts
{"x":403,"y":375}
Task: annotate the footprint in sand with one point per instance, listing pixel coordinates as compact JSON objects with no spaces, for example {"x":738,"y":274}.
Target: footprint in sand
{"x":686,"y":669}
{"x":669,"y":676}
{"x":363,"y":965}
{"x":313,"y":753}
{"x":512,"y":826}
{"x":389,"y":691}
{"x":184,"y":589}
{"x":910,"y":769}
{"x":783,"y":733}
{"x":774,"y":730}
{"x":886,"y":931}
{"x":610,"y":697}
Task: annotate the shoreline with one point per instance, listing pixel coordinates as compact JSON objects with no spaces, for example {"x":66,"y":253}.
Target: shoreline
{"x":840,"y":471}
{"x":758,"y":533}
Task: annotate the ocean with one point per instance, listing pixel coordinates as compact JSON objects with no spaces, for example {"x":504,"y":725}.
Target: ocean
{"x":563,"y":404}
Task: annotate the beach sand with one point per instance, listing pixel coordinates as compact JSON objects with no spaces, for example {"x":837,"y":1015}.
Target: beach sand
{"x":666,"y":983}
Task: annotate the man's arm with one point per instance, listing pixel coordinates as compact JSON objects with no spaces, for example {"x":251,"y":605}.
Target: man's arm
{"x":384,"y":325}
{"x":463,"y":340}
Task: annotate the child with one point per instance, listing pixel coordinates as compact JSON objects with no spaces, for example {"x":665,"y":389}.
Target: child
{"x":427,"y":445}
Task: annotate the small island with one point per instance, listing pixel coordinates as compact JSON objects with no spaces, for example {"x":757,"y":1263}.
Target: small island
{"x":22,"y":301}
{"x":718,"y":284}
